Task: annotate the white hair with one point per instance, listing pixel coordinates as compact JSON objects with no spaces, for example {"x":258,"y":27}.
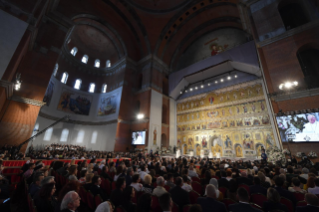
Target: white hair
{"x":211,"y":190}
{"x":160,"y":181}
{"x":67,"y":199}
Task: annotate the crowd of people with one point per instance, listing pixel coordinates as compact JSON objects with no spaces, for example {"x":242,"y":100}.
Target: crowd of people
{"x":171,"y":180}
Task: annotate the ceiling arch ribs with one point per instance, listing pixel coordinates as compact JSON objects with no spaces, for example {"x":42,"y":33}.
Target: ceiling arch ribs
{"x":182,"y":17}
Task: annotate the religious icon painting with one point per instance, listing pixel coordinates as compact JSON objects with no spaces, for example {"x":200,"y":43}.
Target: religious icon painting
{"x":239,"y":123}
{"x":258,"y":136}
{"x":236,"y":137}
{"x":204,"y":141}
{"x":211,"y":100}
{"x":197,"y":138}
{"x":232,"y":123}
{"x":265,"y":120}
{"x":256,"y":122}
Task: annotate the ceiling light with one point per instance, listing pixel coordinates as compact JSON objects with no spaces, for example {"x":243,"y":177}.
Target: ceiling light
{"x":140,"y":116}
{"x":216,"y":82}
{"x":181,"y":92}
{"x":295,"y":83}
{"x":288,"y":84}
{"x":208,"y":84}
{"x":236,"y":76}
{"x":186,"y":91}
{"x":229,"y":77}
{"x":196,"y":88}
{"x":222,"y":80}
{"x":202,"y":86}
{"x":191,"y":89}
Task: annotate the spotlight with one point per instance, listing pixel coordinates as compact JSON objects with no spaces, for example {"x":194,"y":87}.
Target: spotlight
{"x":191,"y":89}
{"x":229,"y":77}
{"x":222,"y":80}
{"x":288,"y":84}
{"x":295,"y":83}
{"x":140,"y":116}
{"x":181,"y":92}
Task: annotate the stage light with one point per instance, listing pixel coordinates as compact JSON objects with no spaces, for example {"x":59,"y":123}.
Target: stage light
{"x":295,"y":83}
{"x":191,"y":89}
{"x":208,"y":84}
{"x":222,"y":80}
{"x":140,"y":116}
{"x":288,"y":85}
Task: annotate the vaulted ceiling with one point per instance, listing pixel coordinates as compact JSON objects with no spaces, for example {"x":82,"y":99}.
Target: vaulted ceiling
{"x":164,"y":28}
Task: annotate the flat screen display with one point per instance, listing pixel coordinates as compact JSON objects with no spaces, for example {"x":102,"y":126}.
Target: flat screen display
{"x":299,"y":128}
{"x":138,"y":138}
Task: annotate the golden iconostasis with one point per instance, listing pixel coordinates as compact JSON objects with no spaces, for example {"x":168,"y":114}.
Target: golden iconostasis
{"x":231,"y":122}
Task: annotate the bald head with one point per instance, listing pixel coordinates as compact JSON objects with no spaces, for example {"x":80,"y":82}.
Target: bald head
{"x":211,"y":191}
{"x":312,"y":199}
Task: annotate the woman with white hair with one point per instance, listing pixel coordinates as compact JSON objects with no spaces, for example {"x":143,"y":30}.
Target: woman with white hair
{"x":219,"y":195}
{"x":105,"y":207}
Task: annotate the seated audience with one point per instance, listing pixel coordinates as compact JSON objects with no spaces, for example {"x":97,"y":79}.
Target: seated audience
{"x":88,"y":181}
{"x":243,"y":205}
{"x":263,"y":182}
{"x":231,"y":192}
{"x":72,"y":173}
{"x":144,"y":203}
{"x":257,"y":188}
{"x":296,"y":186}
{"x":147,"y":187}
{"x":209,"y":202}
{"x":179,"y":195}
{"x":159,"y":190}
{"x":186,"y":185}
{"x":136,"y":182}
{"x":117,"y":194}
{"x":45,"y":201}
{"x":170,"y":180}
{"x":128,"y":194}
{"x":305,"y":172}
{"x":283,"y":192}
{"x":166,"y":202}
{"x":70,"y":202}
{"x":312,"y":204}
{"x":105,"y":174}
{"x":310,"y":183}
{"x":314,"y":190}
{"x":96,"y":189}
{"x":195,"y":208}
{"x":192,"y":172}
{"x":219,"y":195}
{"x":223,"y":182}
{"x":273,"y":202}
{"x":243,"y":179}
{"x":207,"y":176}
{"x":105,"y":207}
{"x":70,"y":186}
{"x":36,"y":185}
{"x":82,"y":176}
{"x":143,"y":172}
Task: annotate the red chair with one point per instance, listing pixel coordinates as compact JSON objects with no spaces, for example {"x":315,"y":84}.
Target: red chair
{"x":175,"y":207}
{"x":106,"y":186}
{"x":299,"y":196}
{"x":302,"y":203}
{"x":193,"y":195}
{"x":90,"y":200}
{"x":197,"y":187}
{"x":186,"y":208}
{"x":258,"y":199}
{"x":113,"y":185}
{"x":196,"y":179}
{"x":167,"y":187}
{"x":155,"y":204}
{"x":223,"y":190}
{"x":255,"y":206}
{"x":98,"y":200}
{"x":120,"y":209}
{"x":245,"y":187}
{"x":83,"y":194}
{"x":137,"y":196}
{"x":288,"y":203}
{"x":228,"y":202}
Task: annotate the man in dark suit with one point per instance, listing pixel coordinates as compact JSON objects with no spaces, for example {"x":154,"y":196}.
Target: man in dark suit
{"x":208,"y":203}
{"x":257,"y":188}
{"x":223,"y":182}
{"x":166,"y":202}
{"x":283,"y":192}
{"x":128,"y":176}
{"x":70,"y":202}
{"x":105,"y":174}
{"x":179,"y":195}
{"x":96,"y":189}
{"x":243,"y":179}
{"x":243,"y":205}
{"x":312,"y":204}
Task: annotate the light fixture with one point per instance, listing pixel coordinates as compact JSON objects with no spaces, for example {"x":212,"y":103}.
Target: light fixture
{"x":18,"y":81}
{"x":140,"y":116}
{"x":202,"y":86}
{"x":288,"y":85}
{"x":196,"y":88}
{"x":186,"y":91}
{"x":235,"y":75}
{"x":229,"y":77}
{"x":208,"y":84}
{"x":216,"y":82}
{"x":222,"y":80}
{"x":191,"y":89}
{"x":181,"y":92}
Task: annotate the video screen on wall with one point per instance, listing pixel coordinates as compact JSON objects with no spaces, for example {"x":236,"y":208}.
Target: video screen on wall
{"x":299,"y":128}
{"x":138,"y":138}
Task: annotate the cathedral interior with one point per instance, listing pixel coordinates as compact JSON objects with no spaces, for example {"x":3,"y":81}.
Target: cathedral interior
{"x":219,"y":77}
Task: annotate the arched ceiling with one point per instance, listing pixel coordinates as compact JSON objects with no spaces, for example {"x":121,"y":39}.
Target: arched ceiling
{"x":159,"y":27}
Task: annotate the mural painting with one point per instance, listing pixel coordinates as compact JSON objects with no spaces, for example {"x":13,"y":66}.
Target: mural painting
{"x":107,"y":106}
{"x":73,"y":102}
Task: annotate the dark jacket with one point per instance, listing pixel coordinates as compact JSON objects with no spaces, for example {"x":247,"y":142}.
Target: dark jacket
{"x":33,"y":189}
{"x":242,"y":207}
{"x":244,"y":180}
{"x":129,"y":206}
{"x":254,"y":189}
{"x":308,"y":208}
{"x":44,"y":205}
{"x":223,"y":182}
{"x":116,"y":197}
{"x":180,"y":197}
{"x":87,"y":186}
{"x":269,"y":206}
{"x":97,"y":190}
{"x":208,"y":204}
{"x":106,"y":176}
{"x":287,"y":194}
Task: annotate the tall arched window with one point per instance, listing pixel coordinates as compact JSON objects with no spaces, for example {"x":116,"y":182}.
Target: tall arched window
{"x":97,"y":63}
{"x":85,"y":59}
{"x":48,"y":134}
{"x":92,"y":88}
{"x":74,"y":51}
{"x":64,"y":135}
{"x":64,"y":78}
{"x":104,"y":87}
{"x":309,"y":62}
{"x":108,"y":63}
{"x":80,"y":137}
{"x":292,"y":14}
{"x":35,"y":129}
{"x":77,"y":84}
{"x":56,"y":67}
{"x":94,"y":137}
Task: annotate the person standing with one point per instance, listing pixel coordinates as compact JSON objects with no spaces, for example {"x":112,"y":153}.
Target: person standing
{"x":264,"y":155}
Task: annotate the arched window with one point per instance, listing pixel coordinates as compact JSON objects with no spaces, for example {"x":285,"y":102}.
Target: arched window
{"x":48,"y":134}
{"x":104,"y":87}
{"x":97,"y":63}
{"x":74,"y":51}
{"x":77,"y":84}
{"x":94,"y":137}
{"x":108,"y":63}
{"x":80,"y":137}
{"x":56,"y":67}
{"x":64,"y":135}
{"x":92,"y":88}
{"x":64,"y":78}
{"x":85,"y":59}
{"x":35,"y":129}
{"x":308,"y":60}
{"x":292,"y":14}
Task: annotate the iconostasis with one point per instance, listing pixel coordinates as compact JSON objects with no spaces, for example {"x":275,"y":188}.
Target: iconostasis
{"x":230,"y":122}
